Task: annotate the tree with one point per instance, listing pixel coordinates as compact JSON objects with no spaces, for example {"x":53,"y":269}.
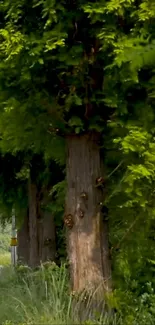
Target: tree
{"x":73,"y":105}
{"x":30,"y":208}
{"x":73,"y":67}
{"x":38,"y":222}
{"x":23,"y":248}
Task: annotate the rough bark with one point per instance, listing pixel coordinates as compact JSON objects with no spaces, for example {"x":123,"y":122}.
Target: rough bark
{"x":47,"y":239}
{"x":88,"y":250}
{"x":106,"y":256}
{"x":23,"y":241}
{"x":33,"y":226}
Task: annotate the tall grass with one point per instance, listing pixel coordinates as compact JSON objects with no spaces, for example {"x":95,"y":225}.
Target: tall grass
{"x":41,"y":297}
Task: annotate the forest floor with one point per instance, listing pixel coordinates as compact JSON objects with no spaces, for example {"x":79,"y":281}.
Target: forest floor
{"x":43,"y":297}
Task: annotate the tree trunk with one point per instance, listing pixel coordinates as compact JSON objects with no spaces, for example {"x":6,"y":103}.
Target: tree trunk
{"x":23,"y":241}
{"x":33,"y":226}
{"x":88,"y":250}
{"x":47,"y":237}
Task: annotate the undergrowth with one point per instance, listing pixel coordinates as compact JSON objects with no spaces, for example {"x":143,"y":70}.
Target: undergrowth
{"x":43,"y":297}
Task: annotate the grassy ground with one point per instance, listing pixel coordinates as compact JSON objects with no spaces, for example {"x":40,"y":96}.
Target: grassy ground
{"x":42,"y":298}
{"x":28,"y":298}
{"x":5,"y":236}
{"x":5,"y":258}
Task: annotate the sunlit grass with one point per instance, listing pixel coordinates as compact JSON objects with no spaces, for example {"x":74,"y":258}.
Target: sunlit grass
{"x":5,"y":259}
{"x":41,"y":297}
{"x":5,"y":236}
